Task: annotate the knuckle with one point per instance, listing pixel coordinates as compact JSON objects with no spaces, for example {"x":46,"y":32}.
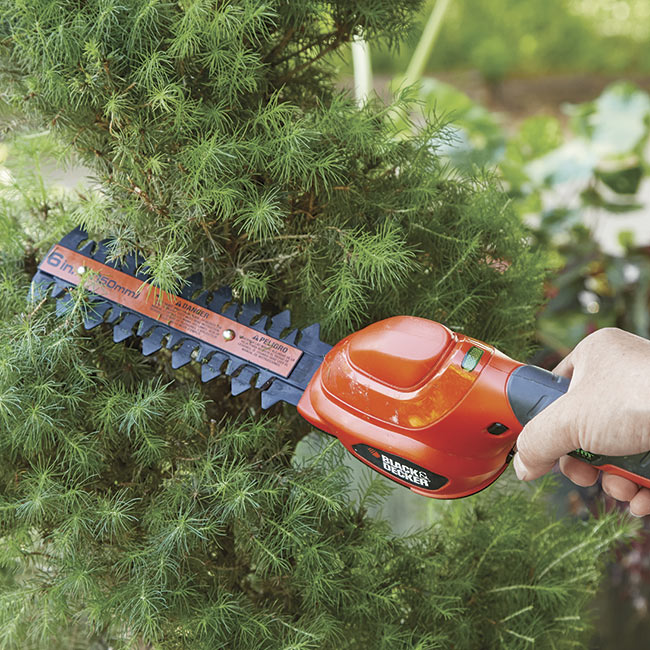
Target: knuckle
{"x":601,"y":338}
{"x":606,"y":334}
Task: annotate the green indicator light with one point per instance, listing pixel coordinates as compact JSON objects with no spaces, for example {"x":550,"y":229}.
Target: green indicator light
{"x":587,"y":455}
{"x":472,"y":358}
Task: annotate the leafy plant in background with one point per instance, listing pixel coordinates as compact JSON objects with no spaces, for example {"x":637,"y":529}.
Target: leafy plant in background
{"x":572,"y":182}
{"x":567,"y":182}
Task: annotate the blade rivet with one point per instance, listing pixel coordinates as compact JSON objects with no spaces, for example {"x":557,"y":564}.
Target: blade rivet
{"x":229,"y":335}
{"x":81,"y":270}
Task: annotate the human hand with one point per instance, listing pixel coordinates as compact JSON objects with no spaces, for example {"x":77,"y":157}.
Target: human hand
{"x":606,"y":410}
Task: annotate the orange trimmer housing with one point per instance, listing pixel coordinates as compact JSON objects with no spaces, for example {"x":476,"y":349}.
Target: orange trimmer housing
{"x":434,"y":410}
{"x":422,"y":405}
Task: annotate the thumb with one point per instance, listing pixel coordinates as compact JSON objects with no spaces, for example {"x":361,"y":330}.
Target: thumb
{"x":547,"y":437}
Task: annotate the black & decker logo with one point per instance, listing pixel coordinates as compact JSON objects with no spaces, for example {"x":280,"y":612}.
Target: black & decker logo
{"x":401,"y":469}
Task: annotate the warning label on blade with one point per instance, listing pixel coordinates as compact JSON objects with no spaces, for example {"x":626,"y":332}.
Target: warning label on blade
{"x":173,"y":311}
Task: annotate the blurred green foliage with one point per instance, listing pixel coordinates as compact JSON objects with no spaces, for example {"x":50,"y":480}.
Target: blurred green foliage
{"x":570,"y":182}
{"x":501,"y":37}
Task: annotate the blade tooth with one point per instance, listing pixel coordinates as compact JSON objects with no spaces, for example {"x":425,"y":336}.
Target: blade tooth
{"x":277,"y":391}
{"x":41,"y":284}
{"x":175,"y":338}
{"x":310,"y":334}
{"x":38,"y":290}
{"x":248,"y":311}
{"x":120,"y":334}
{"x":95,"y":315}
{"x":41,"y":277}
{"x":263,"y":377}
{"x":204,"y":351}
{"x":119,"y":264}
{"x":234,"y":365}
{"x":208,"y":373}
{"x":310,"y":341}
{"x":194,"y":282}
{"x":212,"y":367}
{"x":57,"y":289}
{"x":128,"y":266}
{"x":63,"y":304}
{"x":290,"y":338}
{"x":101,"y":307}
{"x":280,"y":322}
{"x":202,"y":299}
{"x":88,"y":249}
{"x":231,"y":312}
{"x":124,"y":328}
{"x":74,"y":238}
{"x":117,"y":311}
{"x":102,"y":251}
{"x":220,"y":298}
{"x":153,"y":342}
{"x":183,"y":355}
{"x":242,"y":382}
{"x":91,"y":321}
{"x":145,"y":325}
{"x":260,"y":326}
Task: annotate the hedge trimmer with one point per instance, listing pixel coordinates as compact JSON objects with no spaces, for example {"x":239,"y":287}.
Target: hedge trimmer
{"x":429,"y":408}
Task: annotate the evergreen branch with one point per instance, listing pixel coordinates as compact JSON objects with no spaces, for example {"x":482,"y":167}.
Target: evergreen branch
{"x":519,"y":612}
{"x":340,"y":38}
{"x":586,"y":543}
{"x":523,"y":637}
{"x":333,"y":504}
{"x":309,"y":236}
{"x":270,"y":260}
{"x":555,"y":590}
{"x":319,"y":41}
{"x":286,"y":39}
{"x":296,"y":629}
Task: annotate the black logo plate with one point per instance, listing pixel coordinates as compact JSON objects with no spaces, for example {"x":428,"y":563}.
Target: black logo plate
{"x":400,"y":468}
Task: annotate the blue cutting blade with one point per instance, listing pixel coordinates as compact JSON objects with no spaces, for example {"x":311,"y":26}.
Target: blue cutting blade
{"x":215,"y":358}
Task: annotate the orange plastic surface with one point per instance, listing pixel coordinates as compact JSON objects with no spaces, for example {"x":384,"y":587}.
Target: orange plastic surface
{"x":398,"y":387}
{"x":380,"y":351}
{"x":642,"y":481}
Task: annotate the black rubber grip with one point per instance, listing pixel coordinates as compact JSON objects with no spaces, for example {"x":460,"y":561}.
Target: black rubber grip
{"x":531,"y":389}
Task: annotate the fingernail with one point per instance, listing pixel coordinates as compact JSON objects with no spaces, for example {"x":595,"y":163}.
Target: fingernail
{"x":520,"y":468}
{"x":634,"y":513}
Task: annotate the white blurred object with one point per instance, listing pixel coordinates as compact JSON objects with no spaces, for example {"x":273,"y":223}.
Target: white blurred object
{"x":362,"y":70}
{"x":631,"y":273}
{"x":590,"y":301}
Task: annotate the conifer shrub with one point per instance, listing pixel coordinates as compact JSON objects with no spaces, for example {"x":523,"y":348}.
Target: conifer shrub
{"x":142,"y":509}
